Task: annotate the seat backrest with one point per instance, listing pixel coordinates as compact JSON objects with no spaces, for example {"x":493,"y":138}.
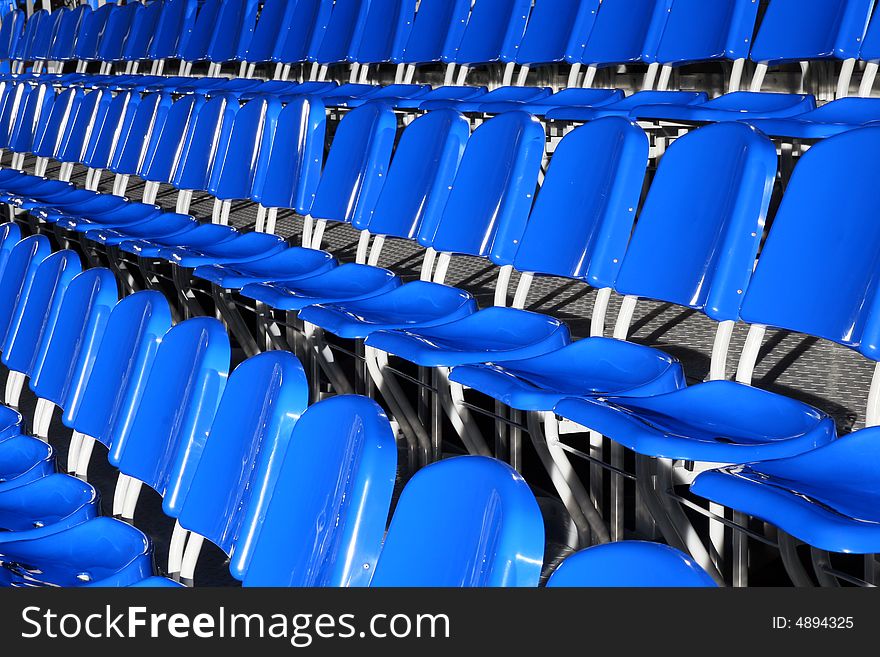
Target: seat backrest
{"x":584,"y":213}
{"x":300,"y":41}
{"x":329,"y":507}
{"x":18,"y":276}
{"x":463,"y":522}
{"x":228,"y":495}
{"x":490,"y":200}
{"x":387,"y":27}
{"x":37,"y":312}
{"x":290,"y":176}
{"x":116,"y":31}
{"x":11,"y":31}
{"x":14,"y":94}
{"x":557,"y":31}
{"x":195,"y":46}
{"x":827,"y":29}
{"x":67,"y":349}
{"x":626,"y":31}
{"x":273,"y":23}
{"x":115,"y":384}
{"x":630,"y":564}
{"x":99,"y":150}
{"x":31,"y":32}
{"x":421,"y":174}
{"x":245,"y":150}
{"x":51,"y":131}
{"x":139,"y":137}
{"x":32,"y":112}
{"x":39,"y":50}
{"x":233,"y":30}
{"x":10,"y":235}
{"x":91,"y":30}
{"x":698,"y":249}
{"x":871,"y":45}
{"x":494,"y":31}
{"x":64,"y":44}
{"x":180,"y":398}
{"x":342,"y":32}
{"x":173,"y":28}
{"x":208,"y":128}
{"x":356,"y":164}
{"x":144,"y":27}
{"x":836,"y":296}
{"x":79,"y":127}
{"x":698,"y":31}
{"x":437,"y":30}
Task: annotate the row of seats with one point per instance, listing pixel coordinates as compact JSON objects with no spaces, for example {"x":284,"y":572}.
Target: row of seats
{"x":236,"y":461}
{"x":657,"y":33}
{"x":683,"y":251}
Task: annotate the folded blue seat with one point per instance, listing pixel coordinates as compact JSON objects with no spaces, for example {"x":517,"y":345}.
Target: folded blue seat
{"x":630,"y":564}
{"x":11,"y":30}
{"x":831,"y":119}
{"x":468,"y":521}
{"x":88,"y":37}
{"x":115,"y":33}
{"x":172,"y":30}
{"x":730,"y":422}
{"x":63,"y":46}
{"x":512,"y":95}
{"x":144,"y":30}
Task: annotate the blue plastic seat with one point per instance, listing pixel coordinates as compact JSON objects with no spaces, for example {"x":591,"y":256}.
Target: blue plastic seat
{"x":826,"y":497}
{"x":630,"y":564}
{"x":386,"y":29}
{"x":443,"y":94}
{"x":18,"y":277}
{"x":342,"y":32}
{"x":304,"y":31}
{"x":233,"y":31}
{"x":499,"y":95}
{"x":11,"y":30}
{"x":91,"y":29}
{"x":469,"y":521}
{"x":482,"y":217}
{"x":493,"y":32}
{"x":62,"y":48}
{"x":831,"y":119}
{"x":629,"y":106}
{"x":325,"y":522}
{"x":730,"y":422}
{"x":557,"y":32}
{"x":116,"y":31}
{"x":144,"y":27}
{"x":626,"y":32}
{"x":194,"y":47}
{"x":173,"y":29}
{"x":735,"y":106}
{"x":572,"y":97}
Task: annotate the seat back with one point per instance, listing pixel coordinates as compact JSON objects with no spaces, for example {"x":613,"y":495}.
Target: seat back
{"x":584,"y":213}
{"x":490,"y":199}
{"x":194,"y":47}
{"x":39,"y":50}
{"x":626,"y":31}
{"x":64,"y":44}
{"x":494,"y":31}
{"x":50,"y":132}
{"x":871,"y":44}
{"x":301,"y":40}
{"x":115,"y":384}
{"x":245,"y":150}
{"x":37,"y":312}
{"x":291,"y":174}
{"x":421,"y":175}
{"x":18,"y":277}
{"x":91,"y":30}
{"x":173,"y":28}
{"x":31,"y":34}
{"x":343,"y":31}
{"x":10,"y":235}
{"x":557,"y":31}
{"x":835,"y":301}
{"x":14,"y":94}
{"x":67,"y":349}
{"x":11,"y":31}
{"x":329,"y":507}
{"x":463,"y":522}
{"x":437,"y":30}
{"x":233,"y":30}
{"x":698,"y":249}
{"x":827,"y":29}
{"x":630,"y":564}
{"x":79,"y":127}
{"x":33,"y":111}
{"x":387,"y":27}
{"x":139,"y":138}
{"x":698,"y":31}
{"x":117,"y":30}
{"x":356,"y":164}
{"x":180,"y":398}
{"x":274,"y":22}
{"x":208,"y":128}
{"x":228,"y":494}
{"x":104,"y":137}
{"x":144,"y":27}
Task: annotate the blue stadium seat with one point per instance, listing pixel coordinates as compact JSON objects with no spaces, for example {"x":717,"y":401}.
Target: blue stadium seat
{"x":557,"y":31}
{"x":463,"y":522}
{"x":436,"y":32}
{"x":173,"y":29}
{"x":832,"y":118}
{"x":630,"y":564}
{"x":11,"y":30}
{"x":493,"y":33}
{"x":144,"y":27}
